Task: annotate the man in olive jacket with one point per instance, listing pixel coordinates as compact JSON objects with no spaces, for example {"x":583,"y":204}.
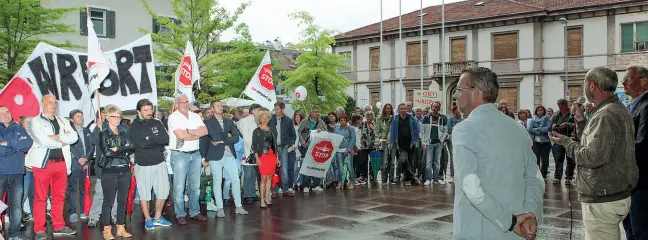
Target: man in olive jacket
{"x":605,"y":156}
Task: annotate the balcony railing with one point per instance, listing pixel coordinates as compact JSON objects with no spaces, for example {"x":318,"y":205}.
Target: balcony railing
{"x":453,"y":68}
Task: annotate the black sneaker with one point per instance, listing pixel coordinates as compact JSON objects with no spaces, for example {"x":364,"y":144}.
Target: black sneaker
{"x":41,"y":236}
{"x":65,"y":231}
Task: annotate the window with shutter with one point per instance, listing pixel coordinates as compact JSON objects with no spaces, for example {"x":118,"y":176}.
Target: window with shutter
{"x":510,"y":94}
{"x":410,"y":95}
{"x":375,"y":97}
{"x":505,"y":46}
{"x":634,"y":37}
{"x":98,"y":19}
{"x":575,"y":41}
{"x":346,"y":54}
{"x":414,"y":53}
{"x":575,"y":92}
{"x":458,"y":49}
{"x":374,"y":54}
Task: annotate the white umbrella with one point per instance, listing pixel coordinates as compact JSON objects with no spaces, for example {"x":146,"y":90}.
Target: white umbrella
{"x":237,"y":102}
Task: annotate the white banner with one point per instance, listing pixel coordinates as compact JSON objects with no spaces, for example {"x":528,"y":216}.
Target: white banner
{"x":322,"y":149}
{"x":261,"y":87}
{"x":63,"y":73}
{"x":426,"y":98}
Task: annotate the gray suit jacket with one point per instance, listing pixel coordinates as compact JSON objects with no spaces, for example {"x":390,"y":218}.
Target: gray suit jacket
{"x":77,"y":148}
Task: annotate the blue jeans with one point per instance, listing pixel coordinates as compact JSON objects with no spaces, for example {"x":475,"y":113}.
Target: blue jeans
{"x":339,"y":158}
{"x":76,"y":176}
{"x":13,"y":183}
{"x":28,"y":189}
{"x":433,"y":161}
{"x":229,"y":164}
{"x":250,"y":180}
{"x":636,"y":223}
{"x":287,"y":177}
{"x":186,"y":171}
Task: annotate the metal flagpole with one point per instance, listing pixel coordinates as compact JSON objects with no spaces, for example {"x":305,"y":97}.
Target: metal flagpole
{"x":380,"y":58}
{"x":97,"y":90}
{"x":443,"y":63}
{"x":400,"y":56}
{"x":421,"y":45}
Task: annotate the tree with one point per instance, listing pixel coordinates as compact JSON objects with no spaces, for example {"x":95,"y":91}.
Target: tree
{"x":202,"y":22}
{"x":319,"y":67}
{"x":24,"y":24}
{"x":350,"y":106}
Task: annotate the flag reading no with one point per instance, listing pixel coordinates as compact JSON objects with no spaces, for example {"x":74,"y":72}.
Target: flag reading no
{"x":321,"y":150}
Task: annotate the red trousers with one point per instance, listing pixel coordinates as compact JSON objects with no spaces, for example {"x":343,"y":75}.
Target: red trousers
{"x":53,"y":176}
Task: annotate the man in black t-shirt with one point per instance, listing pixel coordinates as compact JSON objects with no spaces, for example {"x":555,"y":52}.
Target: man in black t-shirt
{"x":434,"y":134}
{"x":405,"y":134}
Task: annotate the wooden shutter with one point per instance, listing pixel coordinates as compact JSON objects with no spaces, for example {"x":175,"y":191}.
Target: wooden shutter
{"x":83,"y":24}
{"x":374,"y":54}
{"x":156,"y":26}
{"x":505,"y":46}
{"x":410,"y":96}
{"x":458,"y":50}
{"x":575,"y":41}
{"x":510,"y":94}
{"x":575,"y":92}
{"x":375,"y":98}
{"x":110,"y":24}
{"x":414,"y":53}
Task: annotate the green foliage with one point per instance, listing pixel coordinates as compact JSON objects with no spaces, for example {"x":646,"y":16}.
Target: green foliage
{"x":318,"y":67}
{"x":164,"y":103}
{"x":350,"y":106}
{"x":225,"y":67}
{"x":23,"y":24}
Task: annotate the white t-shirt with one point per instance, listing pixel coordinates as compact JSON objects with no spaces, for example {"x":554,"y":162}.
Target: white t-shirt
{"x":179,"y":121}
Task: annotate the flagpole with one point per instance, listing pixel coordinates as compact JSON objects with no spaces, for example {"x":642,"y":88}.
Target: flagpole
{"x":97,"y":90}
{"x":380,"y":58}
{"x":421,"y":45}
{"x":400,"y":56}
{"x":443,"y":64}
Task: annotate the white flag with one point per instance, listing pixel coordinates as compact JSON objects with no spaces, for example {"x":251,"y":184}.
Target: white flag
{"x":187,"y":73}
{"x":98,"y":68}
{"x":261,"y":87}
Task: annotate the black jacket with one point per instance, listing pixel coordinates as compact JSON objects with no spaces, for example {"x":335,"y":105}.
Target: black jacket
{"x":149,"y":136}
{"x":120,"y":158}
{"x":640,"y":118}
{"x":288,"y":135}
{"x":258,"y":140}
{"x":217,"y":133}
{"x":77,"y":148}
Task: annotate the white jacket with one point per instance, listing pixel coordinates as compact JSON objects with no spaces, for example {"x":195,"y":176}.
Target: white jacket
{"x":40,"y":128}
{"x":246,"y":126}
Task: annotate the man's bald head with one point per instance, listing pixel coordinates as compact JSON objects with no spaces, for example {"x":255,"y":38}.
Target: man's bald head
{"x":49,"y":105}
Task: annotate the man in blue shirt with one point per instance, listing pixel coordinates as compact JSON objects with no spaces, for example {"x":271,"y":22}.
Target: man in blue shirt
{"x":14,"y":143}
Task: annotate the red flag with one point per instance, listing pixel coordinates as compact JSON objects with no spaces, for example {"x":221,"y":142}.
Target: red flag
{"x":18,"y":97}
{"x":87,"y":200}
{"x":131,"y":194}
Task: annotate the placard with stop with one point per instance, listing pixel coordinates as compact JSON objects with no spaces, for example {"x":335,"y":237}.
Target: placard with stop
{"x":321,"y":151}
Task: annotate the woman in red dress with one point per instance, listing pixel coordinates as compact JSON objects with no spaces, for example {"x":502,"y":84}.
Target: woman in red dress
{"x":264,"y":149}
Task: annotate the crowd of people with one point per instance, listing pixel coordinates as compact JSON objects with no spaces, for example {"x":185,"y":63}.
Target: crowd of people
{"x":44,"y":160}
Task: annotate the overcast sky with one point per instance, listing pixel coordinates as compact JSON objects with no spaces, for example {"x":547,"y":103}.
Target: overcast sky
{"x":268,"y":19}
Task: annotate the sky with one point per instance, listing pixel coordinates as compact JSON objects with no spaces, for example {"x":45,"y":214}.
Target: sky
{"x":268,"y":19}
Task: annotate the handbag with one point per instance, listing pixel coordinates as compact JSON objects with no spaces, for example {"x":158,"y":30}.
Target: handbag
{"x":250,"y":159}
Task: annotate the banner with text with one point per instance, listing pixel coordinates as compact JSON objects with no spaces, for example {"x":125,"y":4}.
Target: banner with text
{"x":321,"y":150}
{"x":426,"y":98}
{"x":64,"y":74}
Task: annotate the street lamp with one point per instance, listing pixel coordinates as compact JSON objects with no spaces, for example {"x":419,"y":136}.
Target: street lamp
{"x":564,"y":21}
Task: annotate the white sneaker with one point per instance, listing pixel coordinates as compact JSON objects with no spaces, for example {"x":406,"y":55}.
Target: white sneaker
{"x":450,"y":180}
{"x":306,"y":189}
{"x":211,"y":206}
{"x":318,"y":189}
{"x":442,"y":182}
{"x":427,"y":183}
{"x":291,"y":190}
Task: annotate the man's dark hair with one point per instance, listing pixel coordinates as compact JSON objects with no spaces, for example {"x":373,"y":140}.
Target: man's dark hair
{"x":211,"y":105}
{"x":142,"y":103}
{"x":74,"y":112}
{"x":485,"y":80}
{"x":562,"y":101}
{"x":280,"y":105}
{"x":254,"y":106}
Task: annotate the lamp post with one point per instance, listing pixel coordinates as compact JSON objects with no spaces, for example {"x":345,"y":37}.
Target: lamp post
{"x":564,"y":21}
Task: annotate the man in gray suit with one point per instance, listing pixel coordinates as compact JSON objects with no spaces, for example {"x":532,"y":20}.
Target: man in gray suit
{"x":81,"y":151}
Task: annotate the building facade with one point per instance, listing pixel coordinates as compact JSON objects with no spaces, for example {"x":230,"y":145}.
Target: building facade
{"x":116,"y":22}
{"x":521,"y":40}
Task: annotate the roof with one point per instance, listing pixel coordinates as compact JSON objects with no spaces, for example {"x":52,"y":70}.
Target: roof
{"x":466,"y":10}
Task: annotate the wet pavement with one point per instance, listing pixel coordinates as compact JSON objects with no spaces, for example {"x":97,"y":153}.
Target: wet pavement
{"x":367,"y":212}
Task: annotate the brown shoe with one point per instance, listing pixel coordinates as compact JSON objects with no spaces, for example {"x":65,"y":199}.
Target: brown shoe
{"x":288,"y":194}
{"x":274,"y":195}
{"x":199,"y":217}
{"x":107,"y":233}
{"x":182,"y":221}
{"x":121,"y":232}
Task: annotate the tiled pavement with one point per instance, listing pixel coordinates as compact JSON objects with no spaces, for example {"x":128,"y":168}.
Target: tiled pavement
{"x":368,"y":212}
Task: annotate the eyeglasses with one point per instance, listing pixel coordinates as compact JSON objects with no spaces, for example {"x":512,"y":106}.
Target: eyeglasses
{"x":183,"y":102}
{"x":458,"y":90}
{"x":115,"y":117}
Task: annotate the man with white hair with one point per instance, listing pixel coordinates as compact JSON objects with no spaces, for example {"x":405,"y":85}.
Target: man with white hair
{"x":499,"y":189}
{"x":503,"y":103}
{"x":605,"y":156}
{"x":185,"y":130}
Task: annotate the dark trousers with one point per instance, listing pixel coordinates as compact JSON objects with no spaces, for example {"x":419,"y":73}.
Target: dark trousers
{"x":114,"y":185}
{"x":404,"y":164}
{"x":387,"y":166}
{"x":418,"y":163}
{"x":542,"y":151}
{"x":13,"y":184}
{"x":444,"y":160}
{"x":636,"y":223}
{"x":76,"y":177}
{"x":361,"y":163}
{"x":559,"y":154}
